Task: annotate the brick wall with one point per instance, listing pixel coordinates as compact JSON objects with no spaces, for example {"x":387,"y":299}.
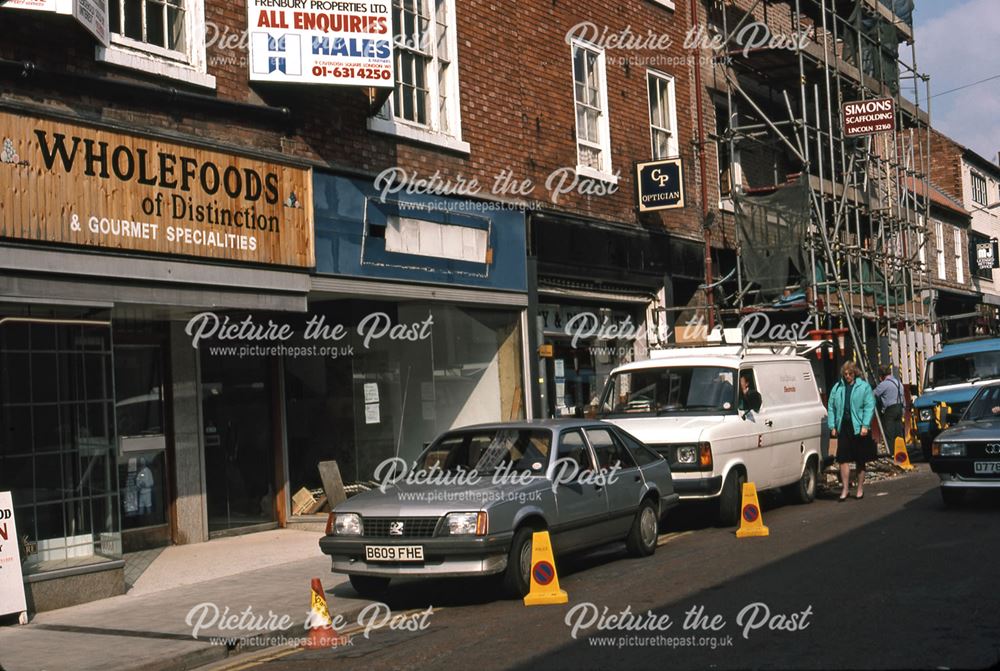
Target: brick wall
{"x":516,"y":90}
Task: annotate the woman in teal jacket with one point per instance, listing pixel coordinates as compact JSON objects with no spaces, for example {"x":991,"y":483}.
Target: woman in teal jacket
{"x":849,"y":416}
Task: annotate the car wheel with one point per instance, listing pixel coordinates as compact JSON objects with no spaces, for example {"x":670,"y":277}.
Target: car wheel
{"x":641,"y":541}
{"x":952,"y":496}
{"x":804,"y":491}
{"x":369,"y":586}
{"x":729,"y":500}
{"x":516,"y":581}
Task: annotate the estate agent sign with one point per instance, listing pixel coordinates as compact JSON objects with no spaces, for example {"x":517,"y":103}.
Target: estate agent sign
{"x":71,"y":184}
{"x":321,"y":42}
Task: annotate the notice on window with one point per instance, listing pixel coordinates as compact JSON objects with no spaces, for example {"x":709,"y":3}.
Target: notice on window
{"x":91,"y":14}
{"x":371,"y":392}
{"x":302,"y":43}
{"x":11,"y":582}
{"x":372,"y":414}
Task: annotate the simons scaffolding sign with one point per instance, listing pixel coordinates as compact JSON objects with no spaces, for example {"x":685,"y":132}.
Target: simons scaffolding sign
{"x":864,"y":117}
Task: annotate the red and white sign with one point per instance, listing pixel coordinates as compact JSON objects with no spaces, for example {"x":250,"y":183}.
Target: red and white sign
{"x":11,"y":580}
{"x":347,"y":44}
{"x":865,"y":117}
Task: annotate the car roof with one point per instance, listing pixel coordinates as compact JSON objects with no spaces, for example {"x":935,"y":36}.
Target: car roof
{"x":551,"y":424}
{"x":968,"y":347}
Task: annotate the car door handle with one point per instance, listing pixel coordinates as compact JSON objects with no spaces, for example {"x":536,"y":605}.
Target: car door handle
{"x":769,"y":422}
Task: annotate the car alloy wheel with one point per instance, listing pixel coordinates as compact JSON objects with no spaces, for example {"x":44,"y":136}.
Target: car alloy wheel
{"x":648,"y":527}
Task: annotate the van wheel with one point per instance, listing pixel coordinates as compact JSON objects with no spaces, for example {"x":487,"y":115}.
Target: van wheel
{"x":369,"y":586}
{"x":729,"y":500}
{"x":641,"y":541}
{"x":804,"y":491}
{"x":516,"y":578}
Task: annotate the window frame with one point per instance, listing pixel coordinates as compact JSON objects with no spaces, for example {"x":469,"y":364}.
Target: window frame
{"x":388,"y":123}
{"x":189,"y":66}
{"x":606,"y":172}
{"x":939,"y":249}
{"x":976,"y":180}
{"x":673,"y":143}
{"x":959,"y":272}
{"x":922,"y":244}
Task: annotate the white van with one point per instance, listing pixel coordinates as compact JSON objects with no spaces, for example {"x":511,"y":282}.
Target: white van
{"x":685,"y":404}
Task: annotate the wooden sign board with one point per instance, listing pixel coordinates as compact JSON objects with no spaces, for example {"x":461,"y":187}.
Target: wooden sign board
{"x":11,"y":582}
{"x":71,"y":184}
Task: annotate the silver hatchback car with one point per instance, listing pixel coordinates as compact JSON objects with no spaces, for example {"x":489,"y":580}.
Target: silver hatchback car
{"x":470,"y":503}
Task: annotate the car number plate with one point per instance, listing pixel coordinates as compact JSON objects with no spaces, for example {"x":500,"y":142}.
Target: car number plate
{"x":987,"y":467}
{"x":394,"y":553}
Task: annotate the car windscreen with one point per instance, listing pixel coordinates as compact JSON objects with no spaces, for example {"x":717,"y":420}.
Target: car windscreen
{"x":963,"y":368}
{"x":487,"y":450}
{"x":670,"y":389}
{"x":983,"y":404}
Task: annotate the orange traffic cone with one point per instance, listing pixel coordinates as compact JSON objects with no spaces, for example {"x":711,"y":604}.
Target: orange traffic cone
{"x":321,"y":631}
{"x":751,"y":523}
{"x":900,"y":456}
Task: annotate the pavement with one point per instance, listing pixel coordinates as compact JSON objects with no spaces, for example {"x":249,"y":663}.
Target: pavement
{"x":151,"y":627}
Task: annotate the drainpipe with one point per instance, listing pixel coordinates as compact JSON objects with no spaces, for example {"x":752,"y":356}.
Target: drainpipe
{"x":700,"y":122}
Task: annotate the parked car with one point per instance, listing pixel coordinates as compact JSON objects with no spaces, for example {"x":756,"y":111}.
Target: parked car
{"x":967,"y":455}
{"x":685,"y":403}
{"x":953,"y":376}
{"x":587,"y":482}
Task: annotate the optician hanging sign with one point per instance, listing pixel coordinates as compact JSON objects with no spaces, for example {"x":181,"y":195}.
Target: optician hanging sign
{"x":71,"y":184}
{"x":91,"y":14}
{"x":321,"y":42}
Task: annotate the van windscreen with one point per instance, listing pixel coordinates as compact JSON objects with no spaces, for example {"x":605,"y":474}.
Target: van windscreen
{"x":963,"y":368}
{"x":670,"y":389}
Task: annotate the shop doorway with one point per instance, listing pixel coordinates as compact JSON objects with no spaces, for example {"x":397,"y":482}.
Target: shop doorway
{"x":144,"y":442}
{"x":237,"y":402}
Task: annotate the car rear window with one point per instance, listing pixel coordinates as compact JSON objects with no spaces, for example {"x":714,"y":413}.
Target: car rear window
{"x":486,"y":450}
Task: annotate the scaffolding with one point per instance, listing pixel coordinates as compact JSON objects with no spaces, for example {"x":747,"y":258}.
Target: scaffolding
{"x":868,"y":197}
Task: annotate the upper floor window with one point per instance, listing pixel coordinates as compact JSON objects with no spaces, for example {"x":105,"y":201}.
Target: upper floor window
{"x":159,"y":24}
{"x":662,"y":115}
{"x":424,"y":105}
{"x":939,"y":241}
{"x":590,"y":96}
{"x":161,"y":37}
{"x":959,"y":271}
{"x":979,"y":189}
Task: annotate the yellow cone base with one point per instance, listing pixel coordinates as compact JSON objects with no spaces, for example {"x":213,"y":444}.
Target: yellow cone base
{"x":544,"y":579}
{"x":751,"y":522}
{"x":900,"y":456}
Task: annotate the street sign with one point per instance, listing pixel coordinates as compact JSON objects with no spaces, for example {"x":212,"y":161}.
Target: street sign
{"x":865,"y":117}
{"x":660,"y":185}
{"x":11,"y":580}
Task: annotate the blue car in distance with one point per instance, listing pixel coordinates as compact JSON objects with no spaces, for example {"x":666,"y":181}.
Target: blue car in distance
{"x":953,"y":376}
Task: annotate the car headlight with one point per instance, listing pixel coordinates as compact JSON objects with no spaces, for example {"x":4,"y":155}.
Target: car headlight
{"x":347,"y":524}
{"x":687,"y":454}
{"x":925,"y":415}
{"x":467,"y":524}
{"x":951,"y":449}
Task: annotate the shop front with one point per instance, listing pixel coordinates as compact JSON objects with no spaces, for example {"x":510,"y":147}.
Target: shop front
{"x":415,"y":326}
{"x":598,"y":290}
{"x":105,"y":406}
